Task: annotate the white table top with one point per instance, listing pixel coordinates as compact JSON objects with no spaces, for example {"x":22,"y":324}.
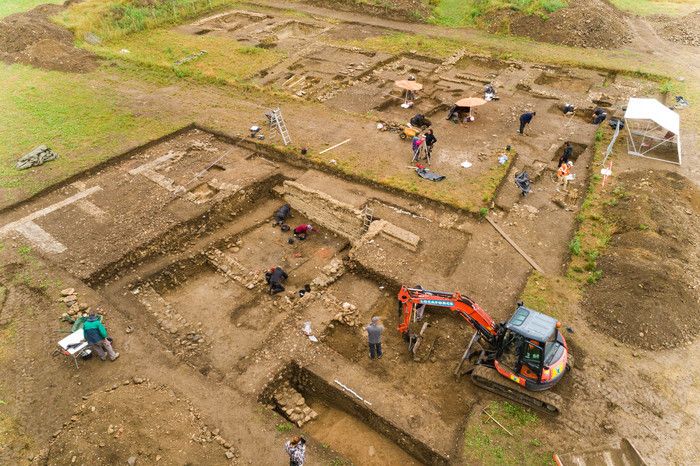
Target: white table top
{"x":76,"y":337}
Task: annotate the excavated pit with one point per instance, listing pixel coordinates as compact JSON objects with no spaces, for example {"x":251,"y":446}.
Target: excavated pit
{"x":347,"y":424}
{"x":578,"y":147}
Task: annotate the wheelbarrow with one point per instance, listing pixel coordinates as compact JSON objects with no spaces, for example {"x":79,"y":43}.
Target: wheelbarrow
{"x":408,"y":132}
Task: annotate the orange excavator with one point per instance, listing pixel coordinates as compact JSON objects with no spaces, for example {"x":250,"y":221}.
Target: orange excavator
{"x":519,"y":359}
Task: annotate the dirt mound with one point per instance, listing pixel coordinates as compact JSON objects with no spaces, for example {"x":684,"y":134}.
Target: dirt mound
{"x":140,"y":421}
{"x":585,"y":23}
{"x":684,"y":30}
{"x":649,"y":295}
{"x":32,"y":39}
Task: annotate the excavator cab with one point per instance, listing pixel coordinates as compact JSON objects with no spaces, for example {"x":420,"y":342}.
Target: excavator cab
{"x":533,"y":353}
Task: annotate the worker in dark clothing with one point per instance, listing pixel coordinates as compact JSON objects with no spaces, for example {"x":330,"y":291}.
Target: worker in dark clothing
{"x":430,"y":140}
{"x":599,"y":116}
{"x":374,"y":337}
{"x":525,"y":119}
{"x":274,"y":277}
{"x":282,"y":214}
{"x":568,"y":152}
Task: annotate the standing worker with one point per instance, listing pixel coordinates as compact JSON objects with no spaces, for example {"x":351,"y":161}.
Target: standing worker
{"x":430,"y":140}
{"x":568,"y":152}
{"x":374,"y":336}
{"x":274,"y":277}
{"x":96,"y":336}
{"x":417,"y":146}
{"x":525,"y":119}
{"x":296,"y":449}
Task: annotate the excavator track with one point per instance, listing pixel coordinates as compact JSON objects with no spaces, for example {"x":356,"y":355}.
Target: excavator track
{"x":489,"y":379}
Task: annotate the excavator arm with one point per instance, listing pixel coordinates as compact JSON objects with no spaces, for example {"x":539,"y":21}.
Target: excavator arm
{"x":410,"y":298}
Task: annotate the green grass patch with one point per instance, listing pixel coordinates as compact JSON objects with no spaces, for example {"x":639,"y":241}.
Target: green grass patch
{"x":653,"y":7}
{"x":551,"y":294}
{"x":8,"y":7}
{"x":595,"y":228}
{"x":116,"y":18}
{"x":402,"y":42}
{"x":225,"y":60}
{"x":67,"y":112}
{"x":284,"y":427}
{"x":575,"y":246}
{"x":491,"y":180}
{"x":487,"y":443}
{"x":457,"y":13}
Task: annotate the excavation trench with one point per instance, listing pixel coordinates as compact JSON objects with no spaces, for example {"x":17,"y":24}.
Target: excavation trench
{"x":347,"y":424}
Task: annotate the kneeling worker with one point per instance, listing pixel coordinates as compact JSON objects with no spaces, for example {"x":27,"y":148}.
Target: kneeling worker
{"x":302,"y":231}
{"x":274,"y":277}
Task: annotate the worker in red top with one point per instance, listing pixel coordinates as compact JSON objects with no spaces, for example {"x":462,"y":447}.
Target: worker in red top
{"x":302,"y":231}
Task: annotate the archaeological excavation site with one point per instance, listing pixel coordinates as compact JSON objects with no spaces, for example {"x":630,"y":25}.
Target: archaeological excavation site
{"x":243,"y":246}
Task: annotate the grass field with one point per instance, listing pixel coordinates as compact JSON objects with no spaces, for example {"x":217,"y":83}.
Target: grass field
{"x":117,"y":18}
{"x":8,"y":7}
{"x":224,"y":60}
{"x":485,"y":442}
{"x":68,"y":113}
{"x":456,"y":13}
{"x":652,"y":7}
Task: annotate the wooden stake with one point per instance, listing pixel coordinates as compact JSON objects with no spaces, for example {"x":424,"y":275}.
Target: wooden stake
{"x":333,"y":147}
{"x":494,"y":420}
{"x":529,"y":259}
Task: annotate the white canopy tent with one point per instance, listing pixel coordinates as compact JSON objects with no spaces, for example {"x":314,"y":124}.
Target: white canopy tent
{"x":654,"y":130}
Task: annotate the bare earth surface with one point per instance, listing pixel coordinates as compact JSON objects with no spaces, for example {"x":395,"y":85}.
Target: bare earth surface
{"x":172,"y":241}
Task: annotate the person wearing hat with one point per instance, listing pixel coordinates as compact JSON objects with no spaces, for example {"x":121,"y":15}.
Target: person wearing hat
{"x":374,"y":336}
{"x":96,"y":336}
{"x":302,"y":231}
{"x":296,"y":449}
{"x":564,"y":174}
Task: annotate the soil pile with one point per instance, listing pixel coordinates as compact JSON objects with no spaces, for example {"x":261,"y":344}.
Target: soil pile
{"x":32,"y":39}
{"x":684,"y":30}
{"x":585,"y":23}
{"x":649,"y":295}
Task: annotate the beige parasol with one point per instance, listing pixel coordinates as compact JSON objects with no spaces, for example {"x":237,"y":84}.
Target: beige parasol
{"x":470,"y":102}
{"x":408,"y":85}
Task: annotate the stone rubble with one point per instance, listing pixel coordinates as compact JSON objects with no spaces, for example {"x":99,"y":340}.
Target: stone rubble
{"x":293,"y":405}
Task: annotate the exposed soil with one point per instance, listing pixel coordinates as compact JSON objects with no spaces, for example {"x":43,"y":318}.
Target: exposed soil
{"x":650,"y":291}
{"x":141,"y":420}
{"x":33,"y":39}
{"x":180,"y":271}
{"x":684,"y":30}
{"x":585,"y":23}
